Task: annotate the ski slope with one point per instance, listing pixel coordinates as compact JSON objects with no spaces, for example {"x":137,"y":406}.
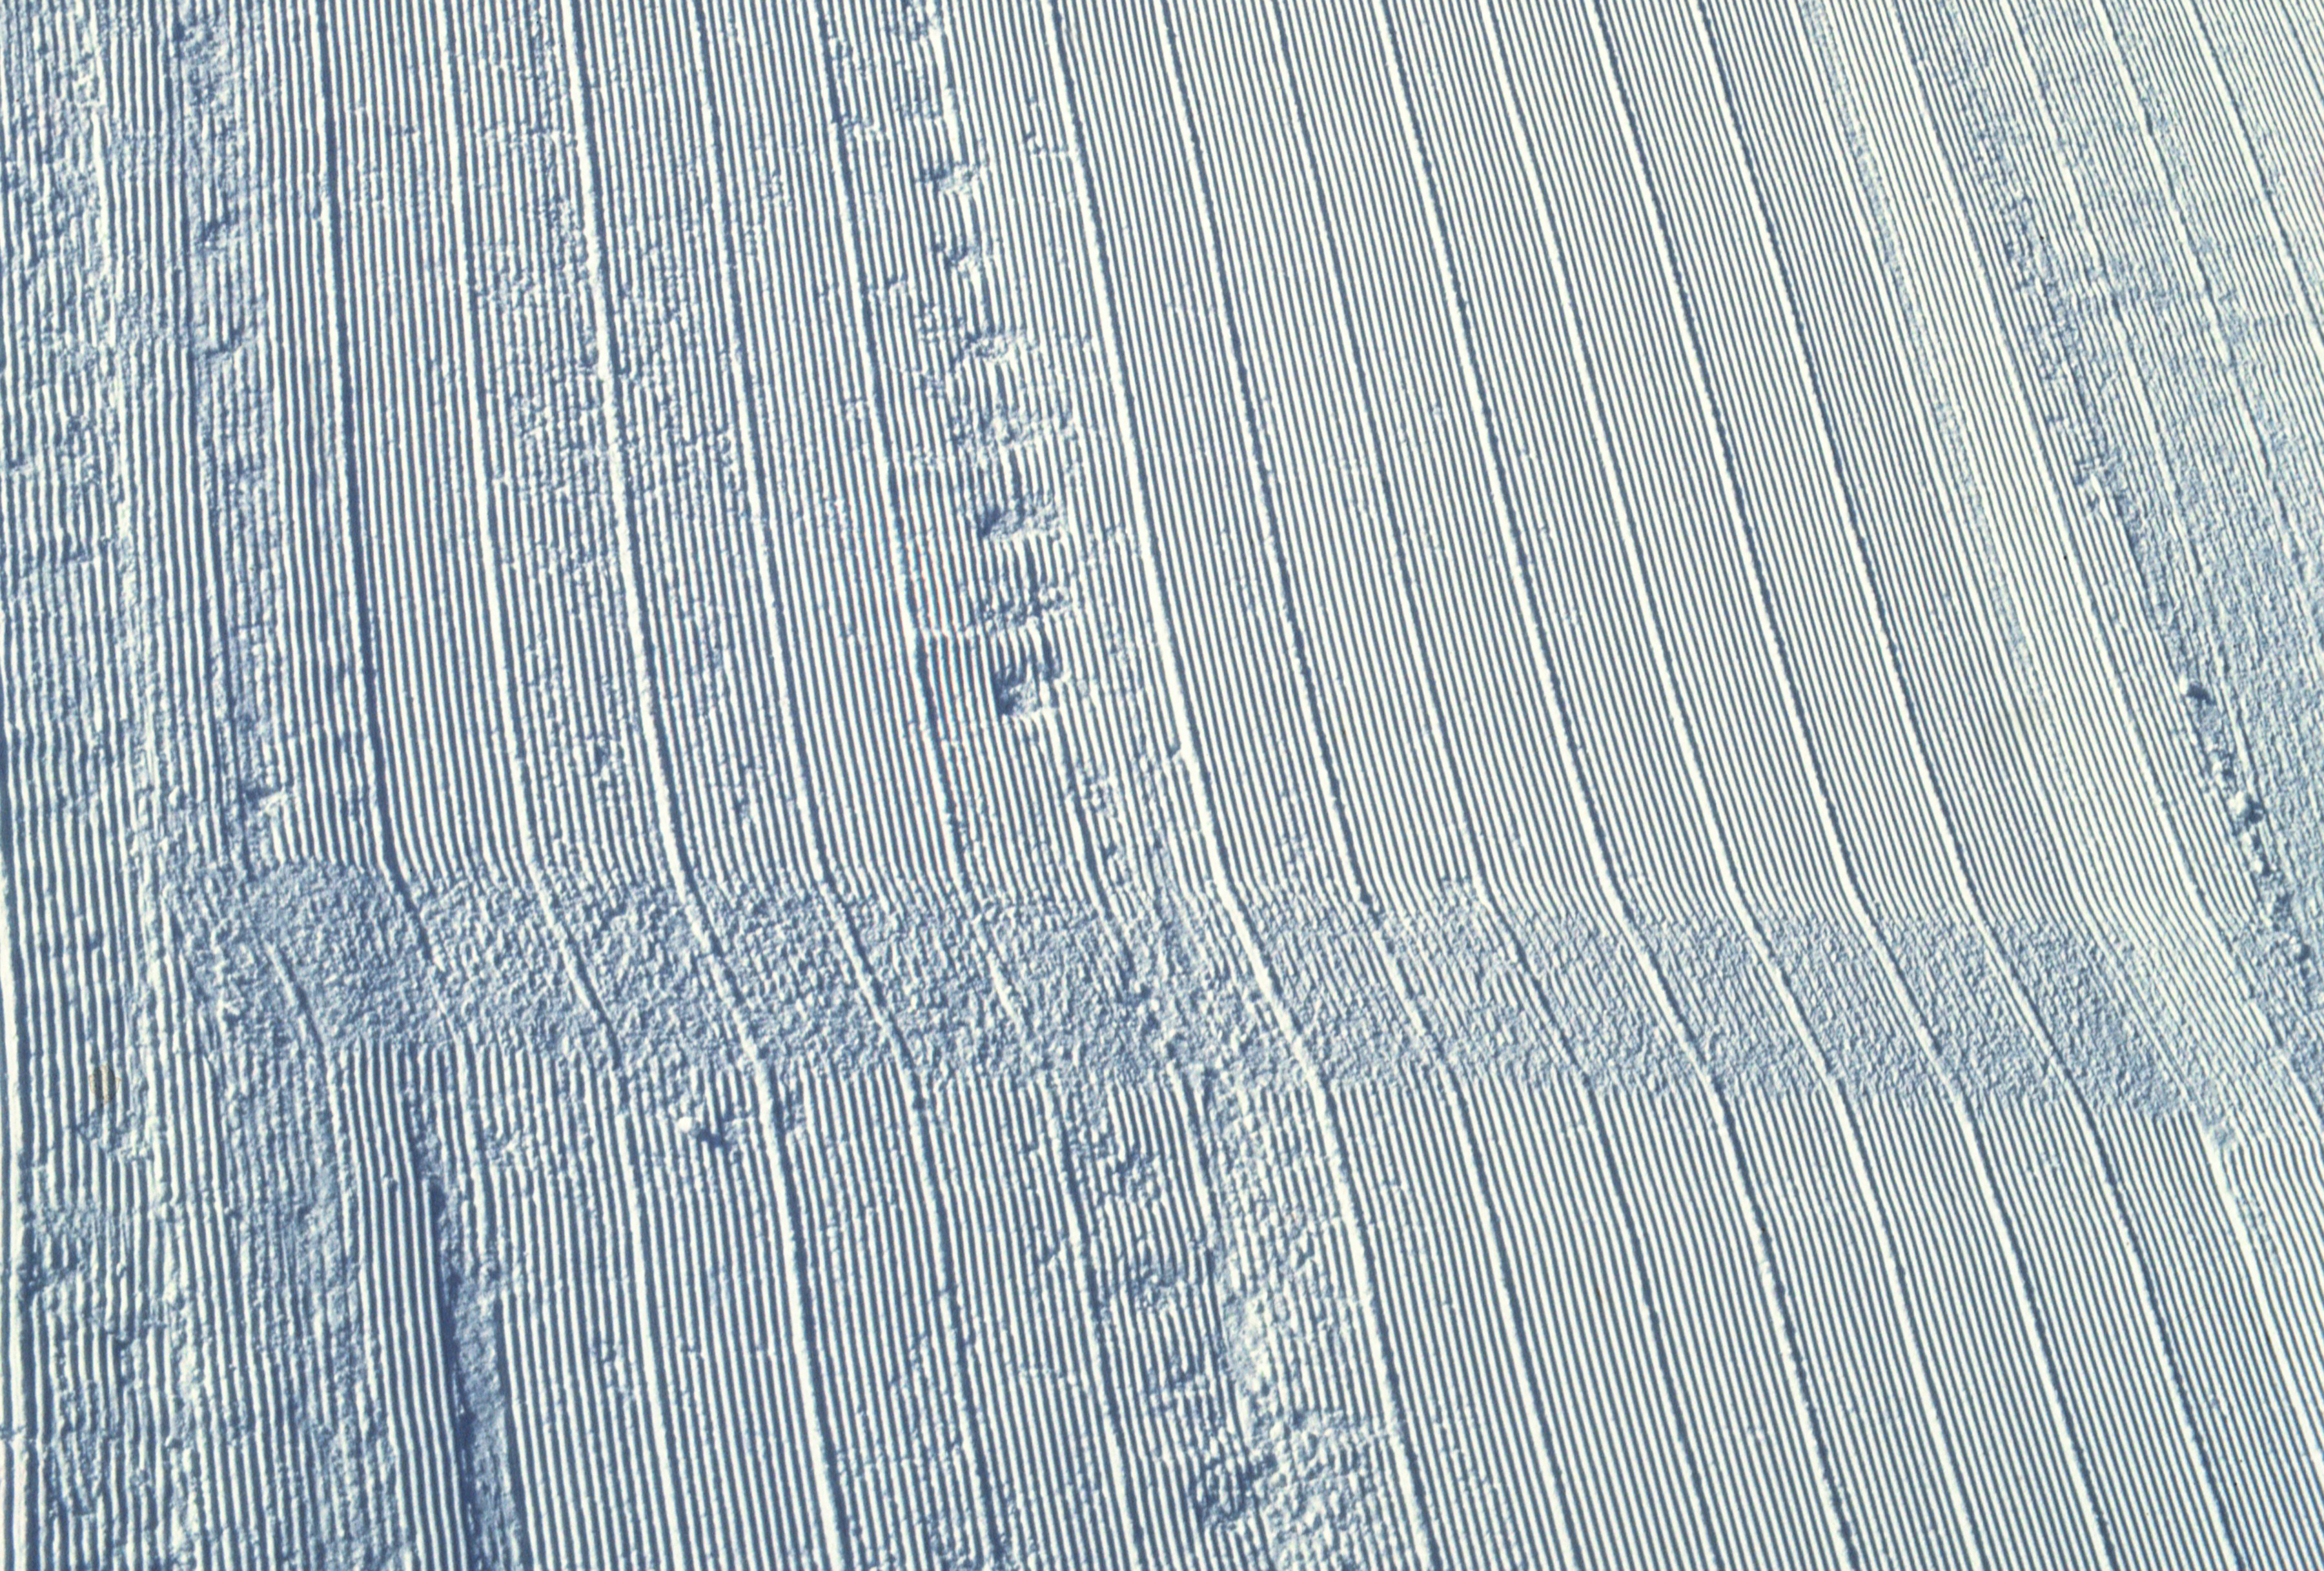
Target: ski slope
{"x":1018,"y":783}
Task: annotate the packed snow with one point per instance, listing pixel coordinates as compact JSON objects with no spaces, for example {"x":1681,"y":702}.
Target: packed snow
{"x":1029,"y":782}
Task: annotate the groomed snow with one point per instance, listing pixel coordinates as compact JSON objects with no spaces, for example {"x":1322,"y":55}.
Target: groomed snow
{"x":1029,"y":782}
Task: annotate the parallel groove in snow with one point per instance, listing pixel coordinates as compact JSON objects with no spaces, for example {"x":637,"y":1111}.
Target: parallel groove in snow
{"x":1005,"y":782}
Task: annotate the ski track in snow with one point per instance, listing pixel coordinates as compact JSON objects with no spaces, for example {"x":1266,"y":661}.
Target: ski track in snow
{"x":1013,"y":783}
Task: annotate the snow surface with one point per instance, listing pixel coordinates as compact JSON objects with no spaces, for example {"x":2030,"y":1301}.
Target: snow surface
{"x":1028,"y":782}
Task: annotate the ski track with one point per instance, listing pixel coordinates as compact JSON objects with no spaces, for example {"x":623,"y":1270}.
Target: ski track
{"x":1015,"y":783}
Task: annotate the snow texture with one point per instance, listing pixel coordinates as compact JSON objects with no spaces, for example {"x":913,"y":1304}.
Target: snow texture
{"x":1035,"y":783}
